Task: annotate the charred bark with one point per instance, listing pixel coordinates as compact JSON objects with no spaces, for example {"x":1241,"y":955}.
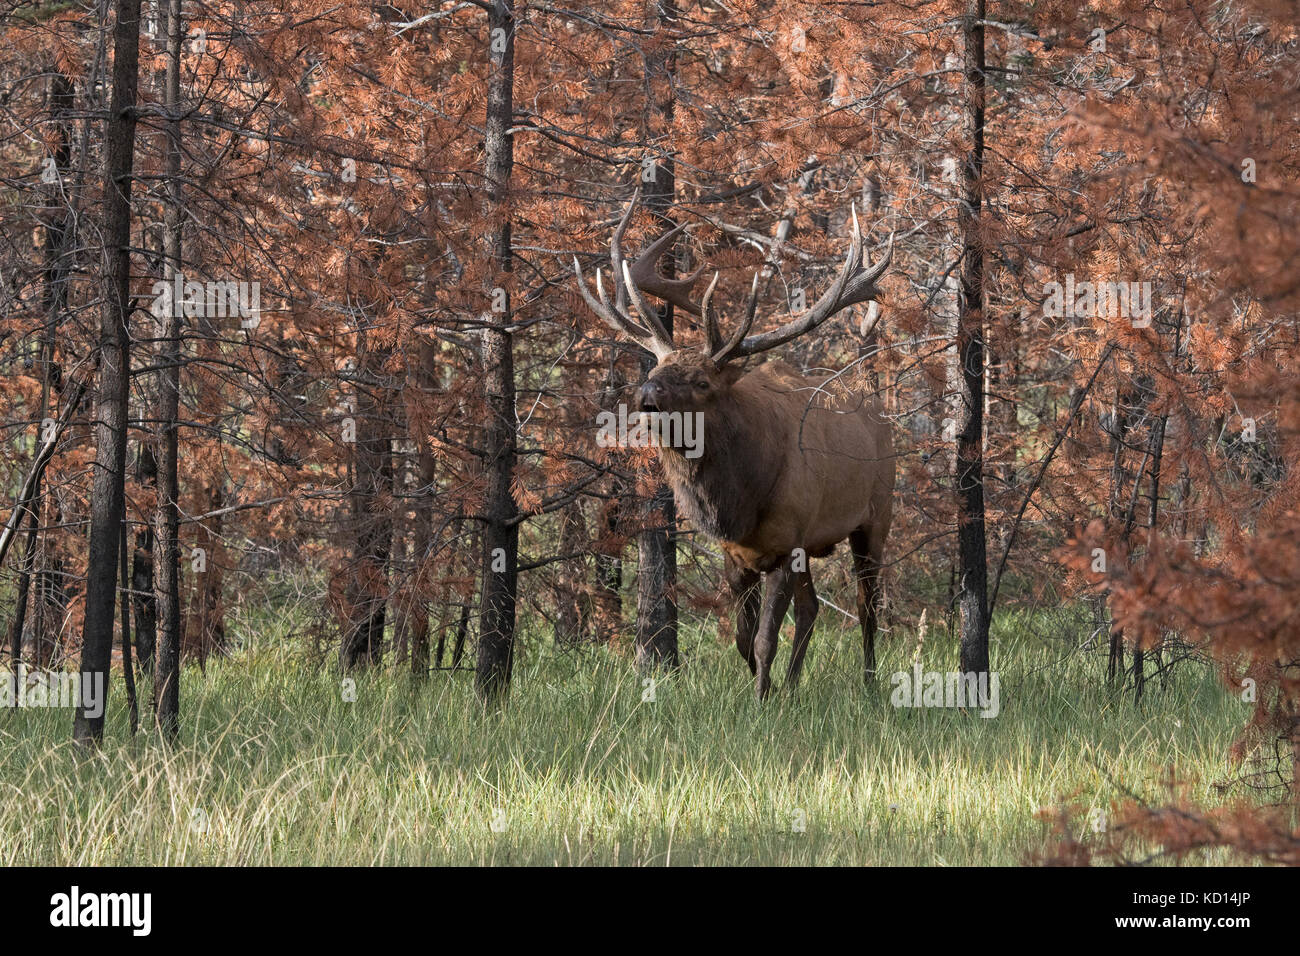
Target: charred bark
{"x":972,"y":595}
{"x":128,"y":670}
{"x":167,"y":548}
{"x":656,"y":602}
{"x":500,"y":530}
{"x":205,"y":625}
{"x":108,"y":495}
{"x":371,"y":499}
{"x":424,"y":380}
{"x":144,"y":601}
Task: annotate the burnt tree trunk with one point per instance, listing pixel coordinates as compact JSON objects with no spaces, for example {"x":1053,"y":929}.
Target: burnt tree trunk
{"x":571,"y":619}
{"x":167,"y":547}
{"x":128,"y":671}
{"x":371,"y":499}
{"x":656,"y":602}
{"x":205,"y":626}
{"x":108,"y":494}
{"x":608,"y":585}
{"x":144,"y":601}
{"x":57,"y":223}
{"x":457,"y":648}
{"x":500,"y":556}
{"x":972,"y":561}
{"x":399,"y":560}
{"x":424,"y":380}
{"x":400,"y":585}
{"x":1119,"y":431}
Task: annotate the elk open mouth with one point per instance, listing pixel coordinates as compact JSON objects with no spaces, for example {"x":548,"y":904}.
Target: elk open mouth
{"x":647,"y":397}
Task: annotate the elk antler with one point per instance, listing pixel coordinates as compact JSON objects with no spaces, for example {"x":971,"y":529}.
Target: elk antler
{"x":652,"y":336}
{"x":643,"y":276}
{"x":856,"y":284}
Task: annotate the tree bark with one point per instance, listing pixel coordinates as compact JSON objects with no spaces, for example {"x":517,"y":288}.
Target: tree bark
{"x":608,"y":565}
{"x":144,"y":601}
{"x":58,"y":218}
{"x":500,"y":558}
{"x":167,"y":548}
{"x":128,"y":670}
{"x":972,"y":559}
{"x":205,"y":625}
{"x":656,"y":603}
{"x":108,"y":495}
{"x":424,"y":379}
{"x":371,"y":499}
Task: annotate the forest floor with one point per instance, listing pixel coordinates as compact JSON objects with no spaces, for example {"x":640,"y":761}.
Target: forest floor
{"x":589,"y":765}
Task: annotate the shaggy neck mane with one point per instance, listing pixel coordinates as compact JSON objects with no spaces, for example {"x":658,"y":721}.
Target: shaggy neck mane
{"x":720,"y":491}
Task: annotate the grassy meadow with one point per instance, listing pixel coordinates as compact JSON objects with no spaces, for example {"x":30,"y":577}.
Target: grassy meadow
{"x":275,"y":765}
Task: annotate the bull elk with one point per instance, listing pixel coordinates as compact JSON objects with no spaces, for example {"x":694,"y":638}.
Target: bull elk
{"x":788,"y":470}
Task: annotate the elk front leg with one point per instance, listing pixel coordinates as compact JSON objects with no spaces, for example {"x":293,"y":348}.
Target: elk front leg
{"x":780,"y":586}
{"x":746,"y":587}
{"x":805,"y":614}
{"x":868,"y":549}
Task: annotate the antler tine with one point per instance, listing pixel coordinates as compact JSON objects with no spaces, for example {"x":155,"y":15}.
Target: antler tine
{"x":648,"y":278}
{"x":645,"y":310}
{"x":751,"y":309}
{"x":616,"y":244}
{"x":625,"y":286}
{"x":854,"y":285}
{"x":862,"y":285}
{"x":620,"y":317}
{"x":654,"y":338}
{"x":613,"y":316}
{"x":751,"y":304}
{"x":868,"y":278}
{"x":711,"y":330}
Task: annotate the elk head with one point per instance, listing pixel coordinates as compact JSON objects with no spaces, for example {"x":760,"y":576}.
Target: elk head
{"x":688,"y":380}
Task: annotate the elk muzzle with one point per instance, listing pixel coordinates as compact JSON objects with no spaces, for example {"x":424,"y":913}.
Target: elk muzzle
{"x":649,"y":396}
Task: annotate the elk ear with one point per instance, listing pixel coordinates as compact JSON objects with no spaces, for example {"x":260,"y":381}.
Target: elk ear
{"x":729,"y":374}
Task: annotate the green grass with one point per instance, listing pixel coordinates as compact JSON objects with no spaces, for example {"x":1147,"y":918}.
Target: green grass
{"x":274,"y":766}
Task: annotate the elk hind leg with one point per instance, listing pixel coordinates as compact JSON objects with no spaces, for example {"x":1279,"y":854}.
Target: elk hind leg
{"x":805,"y":614}
{"x":868,"y":549}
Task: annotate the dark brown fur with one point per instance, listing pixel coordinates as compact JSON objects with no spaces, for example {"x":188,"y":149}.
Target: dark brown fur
{"x":791,"y":466}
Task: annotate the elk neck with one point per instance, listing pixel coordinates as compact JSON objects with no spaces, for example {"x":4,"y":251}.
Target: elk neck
{"x":722,"y":491}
